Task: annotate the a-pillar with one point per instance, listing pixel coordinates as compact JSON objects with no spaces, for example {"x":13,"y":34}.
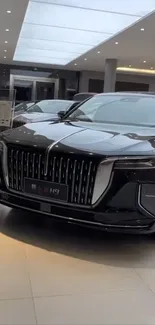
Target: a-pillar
{"x":110,"y":75}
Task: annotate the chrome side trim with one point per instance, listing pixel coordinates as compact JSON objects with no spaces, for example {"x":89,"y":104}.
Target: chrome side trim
{"x":5,"y":164}
{"x":103,"y":178}
{"x":93,"y":223}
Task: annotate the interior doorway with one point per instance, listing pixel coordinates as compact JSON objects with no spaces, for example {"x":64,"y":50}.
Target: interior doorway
{"x":23,"y":90}
{"x":33,"y":89}
{"x":44,"y":90}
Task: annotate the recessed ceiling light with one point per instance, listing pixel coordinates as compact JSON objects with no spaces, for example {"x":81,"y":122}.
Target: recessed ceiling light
{"x":151,"y":68}
{"x":98,"y":52}
{"x":75,"y":63}
{"x":129,"y":65}
{"x":6,"y":42}
{"x":7,"y":30}
{"x":8,"y":11}
{"x":85,"y":59}
{"x":5,"y":50}
{"x":4,"y":57}
{"x":142,"y":29}
{"x":116,"y":43}
{"x":144,"y":61}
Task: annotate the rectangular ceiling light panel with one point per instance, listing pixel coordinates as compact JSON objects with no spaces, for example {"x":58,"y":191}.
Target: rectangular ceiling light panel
{"x":71,"y":36}
{"x":132,"y":7}
{"x":58,"y":46}
{"x":66,"y":29}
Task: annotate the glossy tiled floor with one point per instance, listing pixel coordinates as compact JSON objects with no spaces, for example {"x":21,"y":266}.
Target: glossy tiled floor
{"x":52,"y":274}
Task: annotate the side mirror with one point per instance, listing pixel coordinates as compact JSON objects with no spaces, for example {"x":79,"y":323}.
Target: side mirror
{"x":61,"y":114}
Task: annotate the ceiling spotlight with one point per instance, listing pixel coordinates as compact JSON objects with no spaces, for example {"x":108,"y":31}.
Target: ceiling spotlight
{"x":8,"y":11}
{"x":85,"y":59}
{"x":98,"y":52}
{"x":7,"y":30}
{"x":6,"y":42}
{"x":144,"y":61}
{"x":4,"y":57}
{"x":116,"y":43}
{"x":129,"y":65}
{"x":142,"y":29}
{"x":5,"y":50}
{"x":151,"y":68}
{"x":75,"y":63}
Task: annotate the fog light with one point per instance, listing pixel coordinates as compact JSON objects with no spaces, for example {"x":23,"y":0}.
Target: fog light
{"x":146,"y":198}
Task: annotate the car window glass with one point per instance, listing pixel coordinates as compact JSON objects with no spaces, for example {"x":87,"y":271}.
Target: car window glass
{"x":50,"y":106}
{"x":118,"y":109}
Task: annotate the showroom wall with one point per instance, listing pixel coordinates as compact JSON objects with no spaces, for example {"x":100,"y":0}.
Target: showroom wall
{"x":68,"y":80}
{"x":71,"y":82}
{"x":94,"y":82}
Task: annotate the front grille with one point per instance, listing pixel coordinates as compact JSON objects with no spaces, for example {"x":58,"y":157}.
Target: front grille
{"x":78,"y":173}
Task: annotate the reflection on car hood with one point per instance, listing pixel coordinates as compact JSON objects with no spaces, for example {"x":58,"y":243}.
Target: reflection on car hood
{"x":85,"y":137}
{"x":35,"y":117}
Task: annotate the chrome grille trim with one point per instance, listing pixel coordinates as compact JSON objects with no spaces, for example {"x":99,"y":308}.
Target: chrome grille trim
{"x":77,"y":173}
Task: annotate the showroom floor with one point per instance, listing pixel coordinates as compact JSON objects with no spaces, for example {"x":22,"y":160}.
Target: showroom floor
{"x":56,"y":274}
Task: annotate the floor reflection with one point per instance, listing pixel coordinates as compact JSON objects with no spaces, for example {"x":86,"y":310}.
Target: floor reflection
{"x":81,"y":243}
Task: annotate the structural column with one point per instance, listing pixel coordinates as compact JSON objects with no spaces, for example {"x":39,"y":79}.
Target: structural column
{"x":152,"y":87}
{"x":110,"y":75}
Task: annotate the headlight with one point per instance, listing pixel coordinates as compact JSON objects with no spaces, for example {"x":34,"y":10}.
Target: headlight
{"x":143,"y":163}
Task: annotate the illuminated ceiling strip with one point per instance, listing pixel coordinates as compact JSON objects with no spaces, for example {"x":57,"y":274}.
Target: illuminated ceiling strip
{"x":142,"y":71}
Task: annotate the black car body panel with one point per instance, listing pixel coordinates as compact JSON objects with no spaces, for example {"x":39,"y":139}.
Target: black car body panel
{"x":84,"y":138}
{"x":93,"y":174}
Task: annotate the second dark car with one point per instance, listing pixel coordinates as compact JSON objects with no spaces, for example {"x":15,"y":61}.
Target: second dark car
{"x":45,"y":110}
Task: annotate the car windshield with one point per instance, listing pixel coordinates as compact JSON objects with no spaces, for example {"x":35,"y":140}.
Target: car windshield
{"x":50,"y":106}
{"x":117,"y":109}
{"x":23,"y":106}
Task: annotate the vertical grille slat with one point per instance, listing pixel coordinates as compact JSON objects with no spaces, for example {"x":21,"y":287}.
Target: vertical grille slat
{"x":88,"y":180}
{"x":27,"y":165}
{"x":60,"y":170}
{"x":73,"y":181}
{"x":17,"y":165}
{"x":67,"y":169}
{"x":33,"y":165}
{"x":53,"y":169}
{"x":80,"y":183}
{"x":76,"y":172}
{"x":22,"y":171}
{"x":39,"y":166}
{"x":12,"y":168}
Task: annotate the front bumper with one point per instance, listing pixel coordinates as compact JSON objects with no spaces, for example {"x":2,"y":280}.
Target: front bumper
{"x":116,"y":221}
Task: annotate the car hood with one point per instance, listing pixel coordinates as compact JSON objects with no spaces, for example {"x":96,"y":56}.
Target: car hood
{"x":35,"y":117}
{"x":90,"y":138}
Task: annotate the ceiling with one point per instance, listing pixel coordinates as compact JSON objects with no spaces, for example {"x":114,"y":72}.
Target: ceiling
{"x":78,"y":34}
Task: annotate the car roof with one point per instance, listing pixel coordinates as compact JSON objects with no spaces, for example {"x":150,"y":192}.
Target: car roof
{"x":136,"y":94}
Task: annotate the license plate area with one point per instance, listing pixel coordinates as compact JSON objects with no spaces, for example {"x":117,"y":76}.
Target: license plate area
{"x":46,"y":189}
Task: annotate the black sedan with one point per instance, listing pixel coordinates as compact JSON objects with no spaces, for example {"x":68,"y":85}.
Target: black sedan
{"x":95,"y":167}
{"x":45,"y":110}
